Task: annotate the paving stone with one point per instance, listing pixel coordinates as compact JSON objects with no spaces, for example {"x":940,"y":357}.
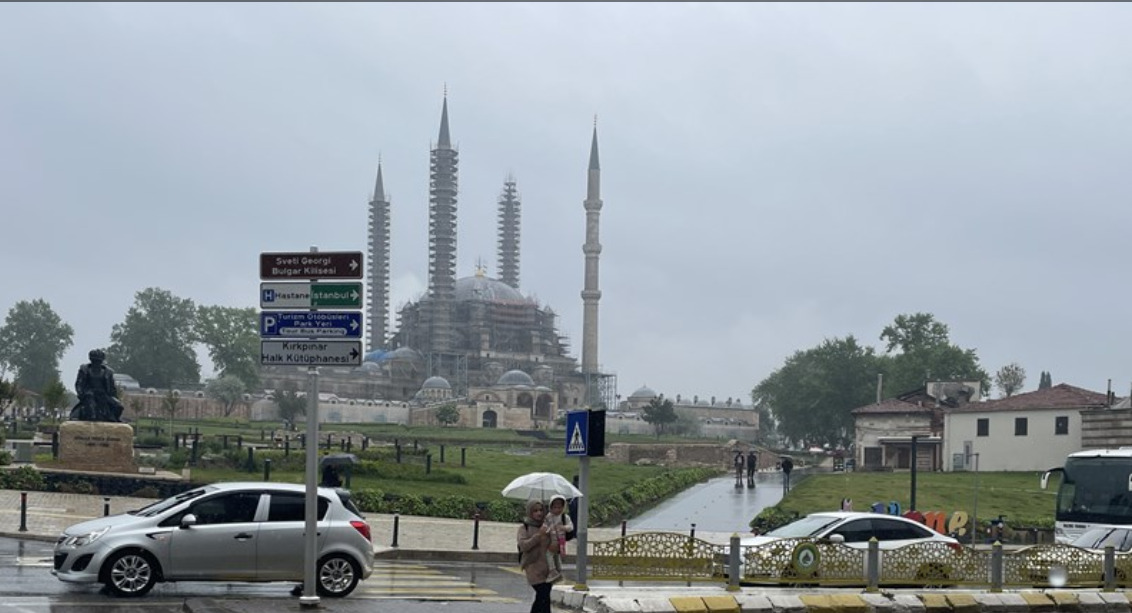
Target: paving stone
{"x":935,"y":603}
{"x":1013,"y":603}
{"x":655,"y":605}
{"x":910,"y":603}
{"x":881,"y":603}
{"x":1066,"y":601}
{"x":989,"y":603}
{"x":1091,"y":602}
{"x":616,"y":604}
{"x":817,"y":603}
{"x":962,"y":603}
{"x":721,"y":604}
{"x":1038,"y":602}
{"x":1116,"y":602}
{"x":754,"y":603}
{"x":786,"y":603}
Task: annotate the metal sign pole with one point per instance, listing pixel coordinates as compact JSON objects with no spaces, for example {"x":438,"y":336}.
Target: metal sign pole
{"x":310,"y":536}
{"x":583,"y":522}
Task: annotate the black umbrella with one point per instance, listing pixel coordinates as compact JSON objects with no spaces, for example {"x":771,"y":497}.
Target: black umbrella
{"x":338,"y":459}
{"x":331,"y":464}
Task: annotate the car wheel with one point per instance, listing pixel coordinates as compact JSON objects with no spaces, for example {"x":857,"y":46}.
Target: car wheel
{"x":338,"y":575}
{"x":130,"y":573}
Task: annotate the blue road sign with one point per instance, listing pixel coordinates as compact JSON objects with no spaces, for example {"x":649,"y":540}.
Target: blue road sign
{"x":577,"y":432}
{"x":305,"y":324}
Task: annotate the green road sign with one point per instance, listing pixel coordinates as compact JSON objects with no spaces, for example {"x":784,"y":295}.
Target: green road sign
{"x":310,"y":295}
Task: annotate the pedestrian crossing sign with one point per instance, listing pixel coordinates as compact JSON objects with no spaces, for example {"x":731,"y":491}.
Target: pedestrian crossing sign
{"x":577,"y":433}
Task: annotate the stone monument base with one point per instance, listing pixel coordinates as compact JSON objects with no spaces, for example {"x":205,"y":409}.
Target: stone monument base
{"x":97,"y":446}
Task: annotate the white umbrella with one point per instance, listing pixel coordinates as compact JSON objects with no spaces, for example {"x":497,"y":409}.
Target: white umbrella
{"x":540,"y":486}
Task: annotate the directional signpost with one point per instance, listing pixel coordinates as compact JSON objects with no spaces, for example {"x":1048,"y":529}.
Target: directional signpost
{"x":331,"y":324}
{"x":310,"y":295}
{"x":310,"y":338}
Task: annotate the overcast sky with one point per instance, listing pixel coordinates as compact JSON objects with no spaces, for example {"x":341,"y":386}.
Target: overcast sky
{"x":773,"y":175}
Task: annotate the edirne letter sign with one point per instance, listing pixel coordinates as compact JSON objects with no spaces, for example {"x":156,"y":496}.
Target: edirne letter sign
{"x":311,"y":265}
{"x":310,"y":353}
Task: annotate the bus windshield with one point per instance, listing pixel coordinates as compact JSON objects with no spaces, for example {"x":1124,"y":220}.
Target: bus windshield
{"x":1095,"y":490}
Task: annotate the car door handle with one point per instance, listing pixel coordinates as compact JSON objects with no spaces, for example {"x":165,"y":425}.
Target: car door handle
{"x":243,"y":536}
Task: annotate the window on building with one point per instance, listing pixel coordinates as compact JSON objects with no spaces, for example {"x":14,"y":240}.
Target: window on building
{"x":983,"y":426}
{"x":1021,"y":426}
{"x":1061,"y":425}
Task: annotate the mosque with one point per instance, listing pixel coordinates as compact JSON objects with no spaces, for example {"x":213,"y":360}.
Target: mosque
{"x":476,"y":341}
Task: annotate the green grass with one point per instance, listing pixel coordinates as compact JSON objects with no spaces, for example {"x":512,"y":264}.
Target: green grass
{"x":1017,"y":495}
{"x":487,"y":472}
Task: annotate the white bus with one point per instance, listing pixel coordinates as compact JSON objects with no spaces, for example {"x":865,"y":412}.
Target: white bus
{"x":1095,"y":491}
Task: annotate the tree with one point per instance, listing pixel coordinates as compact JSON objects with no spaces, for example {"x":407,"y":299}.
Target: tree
{"x":659,"y":413}
{"x":227,"y":390}
{"x":32,"y":341}
{"x":919,"y":349}
{"x":1010,"y":378}
{"x":9,"y":395}
{"x":813,"y":393}
{"x":447,"y":414}
{"x":170,"y":402}
{"x":1046,"y":381}
{"x":232,"y":337}
{"x":154,"y":343}
{"x":54,"y":395}
{"x":291,"y":404}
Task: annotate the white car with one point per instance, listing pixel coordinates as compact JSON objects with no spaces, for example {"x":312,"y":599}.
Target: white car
{"x":220,"y":532}
{"x":776,"y":555}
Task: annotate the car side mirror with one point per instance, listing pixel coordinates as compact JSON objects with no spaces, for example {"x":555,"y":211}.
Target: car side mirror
{"x":836,"y":538}
{"x":188,"y":521}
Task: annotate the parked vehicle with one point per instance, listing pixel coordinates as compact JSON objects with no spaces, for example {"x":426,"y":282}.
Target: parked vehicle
{"x":1095,"y":492}
{"x":220,"y":532}
{"x":785,"y":553}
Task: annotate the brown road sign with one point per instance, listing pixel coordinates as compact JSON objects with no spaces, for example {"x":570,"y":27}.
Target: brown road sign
{"x":311,"y":265}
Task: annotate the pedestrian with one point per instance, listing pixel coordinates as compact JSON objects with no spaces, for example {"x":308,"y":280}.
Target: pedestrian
{"x":560,"y":525}
{"x":752,"y":466}
{"x":573,"y":509}
{"x":787,"y":466}
{"x":534,"y":542}
{"x":738,"y":463}
{"x":846,"y":504}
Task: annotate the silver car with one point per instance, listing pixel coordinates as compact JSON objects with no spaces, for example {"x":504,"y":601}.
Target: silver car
{"x":220,"y":532}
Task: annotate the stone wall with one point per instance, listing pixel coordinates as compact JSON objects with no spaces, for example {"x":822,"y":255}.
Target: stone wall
{"x":684,"y":455}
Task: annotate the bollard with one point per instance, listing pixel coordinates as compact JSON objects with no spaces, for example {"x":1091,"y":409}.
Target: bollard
{"x":398,"y":454}
{"x":267,"y":469}
{"x":1109,"y":568}
{"x":55,"y":445}
{"x":365,"y":443}
{"x":692,"y":534}
{"x":251,"y":459}
{"x":287,"y":446}
{"x":342,"y":445}
{"x":105,"y":506}
{"x":996,"y":568}
{"x":872,"y":563}
{"x":476,"y":532}
{"x":239,"y":441}
{"x":462,"y":450}
{"x":224,"y":440}
{"x":415,"y":447}
{"x":442,"y":454}
{"x":396,"y":526}
{"x":349,"y":475}
{"x":262,"y":436}
{"x":23,"y":511}
{"x":193,"y":453}
{"x":733,"y":564}
{"x":624,"y":526}
{"x":329,"y":441}
{"x":349,"y":444}
{"x":428,"y":464}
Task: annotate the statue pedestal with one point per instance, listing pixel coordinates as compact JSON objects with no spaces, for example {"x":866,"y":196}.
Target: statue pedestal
{"x":97,"y":446}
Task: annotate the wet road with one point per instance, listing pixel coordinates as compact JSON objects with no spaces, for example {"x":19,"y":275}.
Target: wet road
{"x":714,"y":506}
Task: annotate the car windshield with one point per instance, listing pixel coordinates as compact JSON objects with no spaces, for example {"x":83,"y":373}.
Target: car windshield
{"x":1099,"y":538}
{"x":807,"y":526}
{"x":160,"y":507}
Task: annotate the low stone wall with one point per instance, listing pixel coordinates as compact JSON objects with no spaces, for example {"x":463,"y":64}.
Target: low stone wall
{"x":715,"y":454}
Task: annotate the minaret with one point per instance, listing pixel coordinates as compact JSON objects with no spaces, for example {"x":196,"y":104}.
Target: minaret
{"x":509,"y":217}
{"x":442,"y":234}
{"x":378,"y":265}
{"x":592,"y":249}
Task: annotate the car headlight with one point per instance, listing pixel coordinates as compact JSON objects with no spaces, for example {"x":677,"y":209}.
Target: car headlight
{"x":86,"y":539}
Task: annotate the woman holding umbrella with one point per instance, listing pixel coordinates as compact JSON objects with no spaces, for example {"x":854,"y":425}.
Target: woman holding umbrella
{"x":535,"y":540}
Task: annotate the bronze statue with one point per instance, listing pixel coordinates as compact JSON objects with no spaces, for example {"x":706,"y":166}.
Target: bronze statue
{"x":98,"y":396}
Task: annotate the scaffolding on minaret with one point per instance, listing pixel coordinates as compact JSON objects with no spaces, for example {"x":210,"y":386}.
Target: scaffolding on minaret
{"x":377,"y":308}
{"x":510,"y":215}
{"x":443,"y":176}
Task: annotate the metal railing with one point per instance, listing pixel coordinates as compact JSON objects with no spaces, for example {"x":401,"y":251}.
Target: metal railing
{"x":667,"y":556}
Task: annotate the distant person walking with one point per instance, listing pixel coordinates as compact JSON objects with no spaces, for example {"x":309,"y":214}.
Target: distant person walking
{"x":737,"y":461}
{"x":752,"y":466}
{"x":787,"y":467}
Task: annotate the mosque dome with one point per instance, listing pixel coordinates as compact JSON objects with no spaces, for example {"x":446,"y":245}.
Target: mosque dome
{"x":374,"y":356}
{"x":515,"y":377}
{"x":402,"y":353}
{"x":436,"y":383}
{"x":644,"y":392}
{"x":481,"y":288}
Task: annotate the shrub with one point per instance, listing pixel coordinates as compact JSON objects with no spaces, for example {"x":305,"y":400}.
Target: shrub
{"x":146,"y":492}
{"x":22,"y":478}
{"x":76,"y":487}
{"x":5,"y":457}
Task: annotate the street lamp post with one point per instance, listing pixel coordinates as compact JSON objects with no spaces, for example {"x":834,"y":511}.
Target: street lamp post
{"x":975,"y":506}
{"x":915,"y":437}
